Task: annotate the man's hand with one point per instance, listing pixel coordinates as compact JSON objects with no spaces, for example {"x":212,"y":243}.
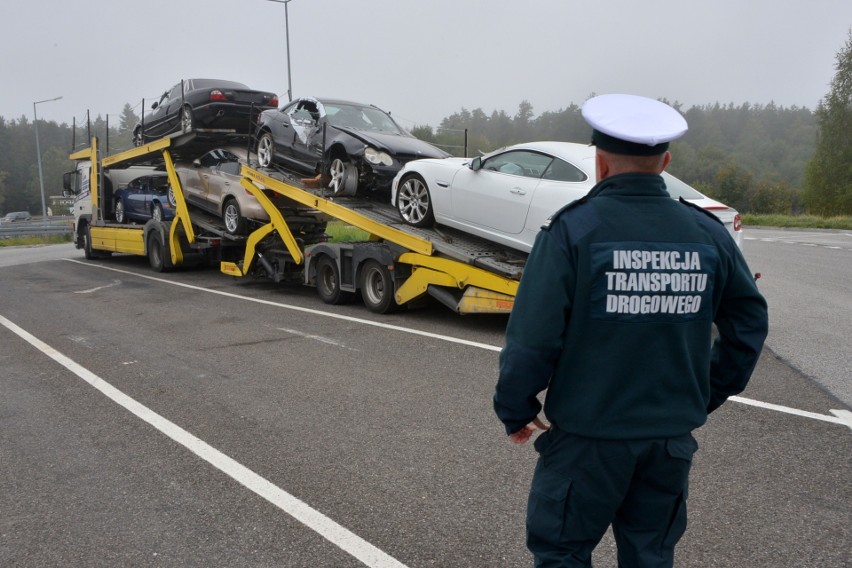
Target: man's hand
{"x":525,"y":433}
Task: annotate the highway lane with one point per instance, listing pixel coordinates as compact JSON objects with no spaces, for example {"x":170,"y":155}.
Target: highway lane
{"x":806,"y":276}
{"x":387,"y":432}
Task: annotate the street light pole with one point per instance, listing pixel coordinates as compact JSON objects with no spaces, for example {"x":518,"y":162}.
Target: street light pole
{"x":287,"y":36}
{"x":38,"y":157}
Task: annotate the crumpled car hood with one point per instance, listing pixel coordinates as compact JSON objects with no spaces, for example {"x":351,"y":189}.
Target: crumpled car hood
{"x":395,"y":144}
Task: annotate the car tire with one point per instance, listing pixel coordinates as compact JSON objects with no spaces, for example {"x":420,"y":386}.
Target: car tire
{"x":328,"y":282}
{"x":172,"y":198}
{"x":235,"y":224}
{"x":120,"y":212}
{"x":265,"y":149}
{"x":157,"y":212}
{"x":186,"y":119}
{"x":344,"y":177}
{"x":414,"y":202}
{"x":377,"y":289}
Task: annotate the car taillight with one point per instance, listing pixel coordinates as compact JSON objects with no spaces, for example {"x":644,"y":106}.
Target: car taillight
{"x":273,"y":101}
{"x":217,"y":95}
{"x":738,"y":223}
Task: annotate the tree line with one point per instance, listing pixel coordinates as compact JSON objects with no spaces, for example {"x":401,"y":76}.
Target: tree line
{"x":752,"y":157}
{"x":756,"y":158}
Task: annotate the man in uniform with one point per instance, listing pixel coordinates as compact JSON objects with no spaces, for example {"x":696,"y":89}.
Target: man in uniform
{"x":614,"y":318}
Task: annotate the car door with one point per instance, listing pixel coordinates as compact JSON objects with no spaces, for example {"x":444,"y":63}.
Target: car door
{"x":562,"y":183}
{"x":306,"y":120}
{"x":135,"y":198}
{"x":222,"y":179}
{"x":165,"y":116}
{"x":497,"y":196}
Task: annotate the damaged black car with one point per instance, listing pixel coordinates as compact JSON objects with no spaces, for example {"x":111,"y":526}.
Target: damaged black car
{"x":363,"y":147}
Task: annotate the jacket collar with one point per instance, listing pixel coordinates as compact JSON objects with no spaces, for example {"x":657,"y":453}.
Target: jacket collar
{"x":650,"y":185}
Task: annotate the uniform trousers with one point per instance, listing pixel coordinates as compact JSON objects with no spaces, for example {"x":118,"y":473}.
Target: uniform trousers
{"x":582,"y":485}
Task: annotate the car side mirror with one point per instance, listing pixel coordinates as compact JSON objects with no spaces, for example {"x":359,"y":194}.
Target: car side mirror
{"x":476,"y":164}
{"x":154,"y":105}
{"x":196,"y":163}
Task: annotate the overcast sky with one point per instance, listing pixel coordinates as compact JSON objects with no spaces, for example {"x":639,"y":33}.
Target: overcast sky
{"x":420,"y":60}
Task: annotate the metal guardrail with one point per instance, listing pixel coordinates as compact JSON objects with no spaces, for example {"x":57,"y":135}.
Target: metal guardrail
{"x":35,"y":228}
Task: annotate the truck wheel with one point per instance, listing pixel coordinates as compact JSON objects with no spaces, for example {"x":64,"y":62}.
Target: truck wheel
{"x":89,"y":253}
{"x":87,"y":243}
{"x":233,"y":218}
{"x":328,"y":283}
{"x":156,"y":252}
{"x":377,"y":288}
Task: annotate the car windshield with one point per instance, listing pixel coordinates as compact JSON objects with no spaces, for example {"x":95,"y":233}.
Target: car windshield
{"x":677,"y":188}
{"x":361,"y":118}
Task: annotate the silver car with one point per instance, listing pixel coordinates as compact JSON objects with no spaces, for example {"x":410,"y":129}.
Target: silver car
{"x":212,"y":183}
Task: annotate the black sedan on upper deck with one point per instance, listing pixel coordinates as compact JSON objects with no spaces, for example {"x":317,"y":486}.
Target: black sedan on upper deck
{"x":364,"y":146}
{"x":203,"y":103}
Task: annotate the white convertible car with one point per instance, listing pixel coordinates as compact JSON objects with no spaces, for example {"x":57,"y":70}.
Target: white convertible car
{"x":506,"y":196}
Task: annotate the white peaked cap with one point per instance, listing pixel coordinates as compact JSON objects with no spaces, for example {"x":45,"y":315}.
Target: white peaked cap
{"x":633,"y":118}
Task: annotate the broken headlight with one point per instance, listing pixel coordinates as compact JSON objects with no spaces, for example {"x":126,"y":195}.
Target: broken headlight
{"x":377,"y":157}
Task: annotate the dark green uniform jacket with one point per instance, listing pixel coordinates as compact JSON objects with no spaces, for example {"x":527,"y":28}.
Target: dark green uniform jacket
{"x":613,"y":316}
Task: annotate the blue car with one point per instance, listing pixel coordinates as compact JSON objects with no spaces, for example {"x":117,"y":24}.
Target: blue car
{"x":146,"y":197}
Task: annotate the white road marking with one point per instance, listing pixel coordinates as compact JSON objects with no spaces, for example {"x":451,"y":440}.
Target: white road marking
{"x":788,"y":410}
{"x":298,"y":308}
{"x":344,"y":539}
{"x":321,"y":339}
{"x":447,"y":338}
{"x":114,"y":283}
{"x":844,"y":415}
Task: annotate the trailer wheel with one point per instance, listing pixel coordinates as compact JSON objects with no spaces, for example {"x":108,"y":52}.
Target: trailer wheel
{"x":377,"y":289}
{"x":156,"y":252}
{"x":328,"y":283}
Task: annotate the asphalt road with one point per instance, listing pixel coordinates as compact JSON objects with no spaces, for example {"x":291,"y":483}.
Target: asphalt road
{"x":191,"y":419}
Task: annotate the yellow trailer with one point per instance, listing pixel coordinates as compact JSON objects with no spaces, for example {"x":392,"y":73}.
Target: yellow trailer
{"x":395,"y":267}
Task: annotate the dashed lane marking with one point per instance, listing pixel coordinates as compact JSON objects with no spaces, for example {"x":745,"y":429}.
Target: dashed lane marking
{"x":409,"y":330}
{"x":344,"y":539}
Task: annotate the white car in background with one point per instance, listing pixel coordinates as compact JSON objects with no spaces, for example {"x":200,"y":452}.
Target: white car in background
{"x":507,"y":195}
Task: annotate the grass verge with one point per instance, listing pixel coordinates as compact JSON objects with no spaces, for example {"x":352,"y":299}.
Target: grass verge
{"x":36,"y":240}
{"x":798,"y":221}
